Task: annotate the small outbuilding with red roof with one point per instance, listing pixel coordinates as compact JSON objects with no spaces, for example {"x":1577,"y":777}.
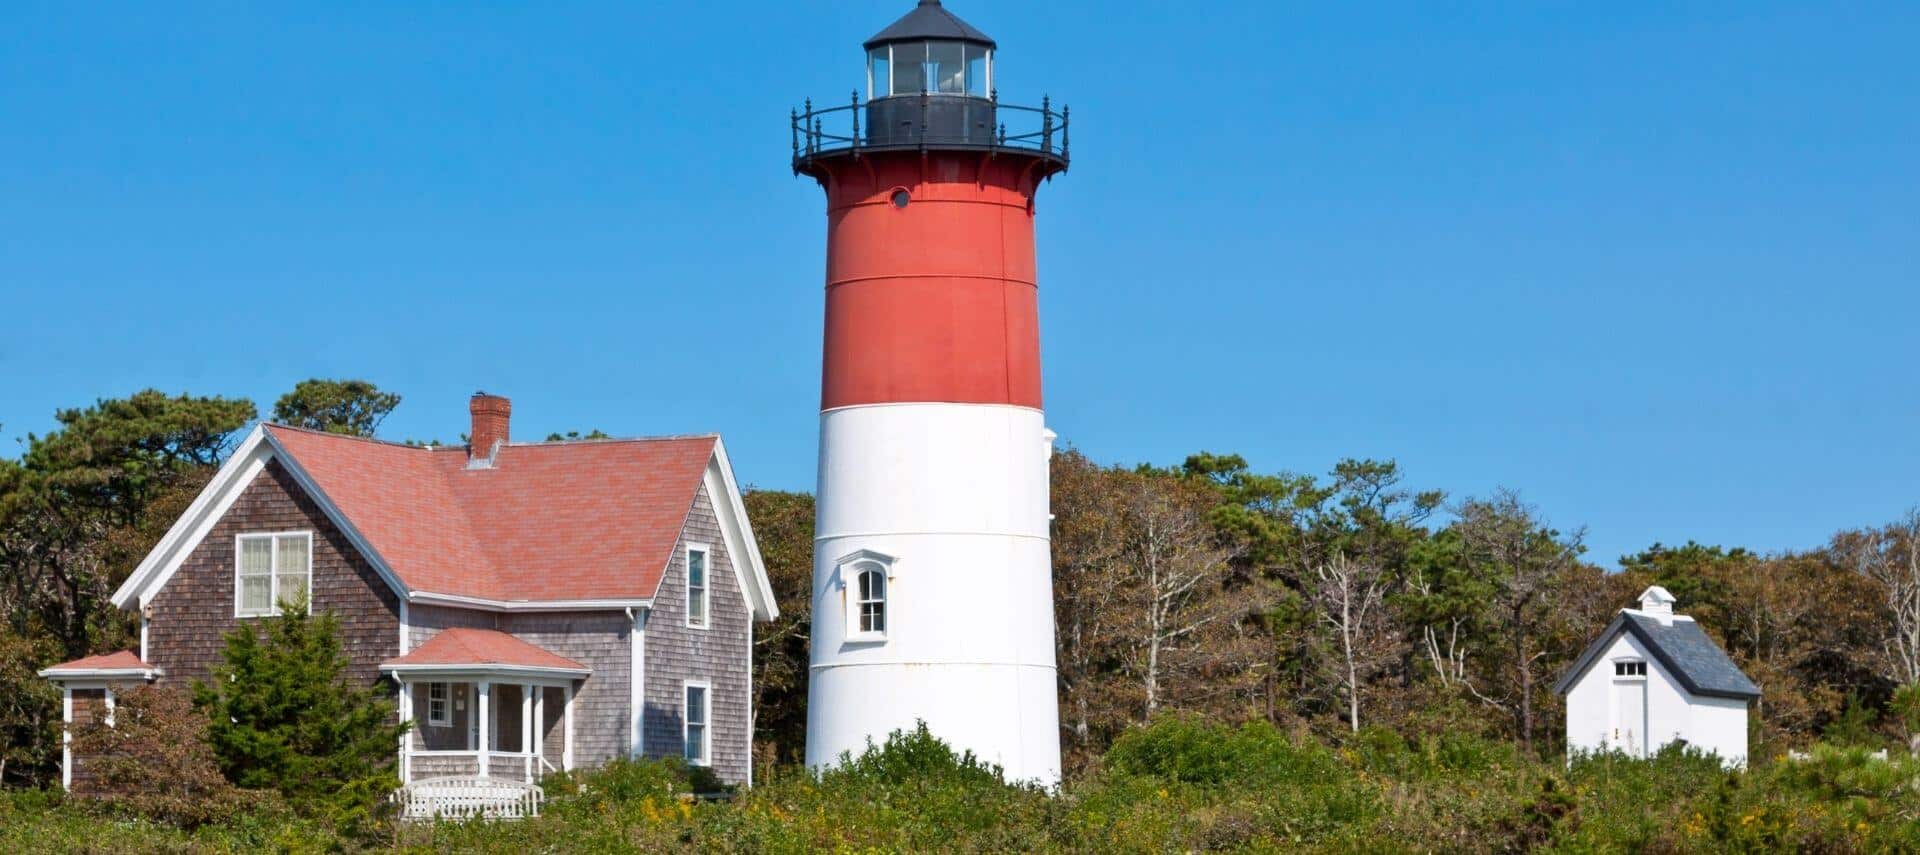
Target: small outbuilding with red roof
{"x":536,"y":607}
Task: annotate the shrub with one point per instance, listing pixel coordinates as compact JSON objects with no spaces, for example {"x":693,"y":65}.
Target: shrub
{"x":155,"y":762}
{"x":283,"y":716}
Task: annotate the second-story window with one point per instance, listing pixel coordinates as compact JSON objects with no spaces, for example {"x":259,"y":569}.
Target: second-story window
{"x":697,"y":586}
{"x":271,"y":569}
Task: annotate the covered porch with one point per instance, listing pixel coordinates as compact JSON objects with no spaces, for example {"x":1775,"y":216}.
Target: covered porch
{"x":485,"y":706}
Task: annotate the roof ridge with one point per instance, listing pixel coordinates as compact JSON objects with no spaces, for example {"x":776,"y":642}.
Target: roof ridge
{"x":351,"y":436}
{"x":611,"y":440}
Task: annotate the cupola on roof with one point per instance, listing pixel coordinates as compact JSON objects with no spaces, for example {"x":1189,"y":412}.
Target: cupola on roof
{"x":929,"y":20}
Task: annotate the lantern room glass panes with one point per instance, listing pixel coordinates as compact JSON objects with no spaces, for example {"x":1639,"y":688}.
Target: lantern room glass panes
{"x":941,"y":67}
{"x":879,"y":75}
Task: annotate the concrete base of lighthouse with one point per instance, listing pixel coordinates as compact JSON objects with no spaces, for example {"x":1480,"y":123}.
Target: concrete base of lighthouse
{"x":952,"y":500}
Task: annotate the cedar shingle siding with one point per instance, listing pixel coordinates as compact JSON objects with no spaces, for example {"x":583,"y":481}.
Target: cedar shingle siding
{"x":718,"y":654}
{"x":195,"y":608}
{"x":601,"y":641}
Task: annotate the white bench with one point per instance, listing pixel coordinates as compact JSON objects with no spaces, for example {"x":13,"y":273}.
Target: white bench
{"x":468,"y":797}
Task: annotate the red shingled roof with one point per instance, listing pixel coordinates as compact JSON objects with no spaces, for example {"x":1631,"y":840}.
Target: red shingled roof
{"x":125,"y":660}
{"x":548,"y":521}
{"x":481,"y":647}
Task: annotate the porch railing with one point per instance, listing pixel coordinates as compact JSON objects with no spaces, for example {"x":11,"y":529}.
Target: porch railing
{"x":467,"y":798}
{"x":501,"y":765}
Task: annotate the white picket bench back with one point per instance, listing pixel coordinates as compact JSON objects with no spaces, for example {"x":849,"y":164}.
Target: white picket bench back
{"x":465,"y":798}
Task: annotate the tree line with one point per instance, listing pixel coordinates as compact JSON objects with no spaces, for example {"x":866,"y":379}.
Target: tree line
{"x":1337,"y":602}
{"x":1328,"y":602}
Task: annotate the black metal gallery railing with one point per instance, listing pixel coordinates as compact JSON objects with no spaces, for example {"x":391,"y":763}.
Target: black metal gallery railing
{"x":929,"y":121}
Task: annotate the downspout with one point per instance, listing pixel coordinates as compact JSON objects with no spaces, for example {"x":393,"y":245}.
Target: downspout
{"x":636,"y":686}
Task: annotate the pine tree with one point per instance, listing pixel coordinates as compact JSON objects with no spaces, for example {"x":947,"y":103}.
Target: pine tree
{"x":283,"y":716}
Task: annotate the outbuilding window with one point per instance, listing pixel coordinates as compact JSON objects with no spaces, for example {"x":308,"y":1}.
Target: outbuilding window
{"x":697,"y":735}
{"x":1633,"y":668}
{"x":270,"y":569}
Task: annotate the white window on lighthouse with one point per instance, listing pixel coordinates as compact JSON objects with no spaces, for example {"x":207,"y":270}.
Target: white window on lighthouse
{"x":867,"y":578}
{"x":872,"y":605}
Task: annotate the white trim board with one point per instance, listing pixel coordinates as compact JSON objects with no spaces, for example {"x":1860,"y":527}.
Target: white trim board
{"x":742,"y":549}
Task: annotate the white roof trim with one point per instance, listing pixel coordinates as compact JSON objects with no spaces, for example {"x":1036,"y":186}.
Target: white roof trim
{"x":473,"y":669}
{"x":99,"y":673}
{"x":737,"y":530}
{"x":429,"y":598}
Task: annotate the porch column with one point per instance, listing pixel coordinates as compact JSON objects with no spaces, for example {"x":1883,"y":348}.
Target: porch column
{"x":66,"y":736}
{"x":566,"y":738}
{"x":485,"y":693}
{"x":539,"y":729}
{"x":526,"y":728}
{"x":406,"y":739}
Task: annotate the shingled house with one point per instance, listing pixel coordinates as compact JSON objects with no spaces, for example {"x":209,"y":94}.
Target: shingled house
{"x":536,"y":606}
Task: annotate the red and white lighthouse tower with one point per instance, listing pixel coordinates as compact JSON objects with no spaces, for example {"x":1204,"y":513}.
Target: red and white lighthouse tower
{"x":933,"y":590}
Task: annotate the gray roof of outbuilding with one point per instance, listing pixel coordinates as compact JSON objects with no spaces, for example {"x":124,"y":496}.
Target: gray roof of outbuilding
{"x":929,"y":20}
{"x":1682,"y":648}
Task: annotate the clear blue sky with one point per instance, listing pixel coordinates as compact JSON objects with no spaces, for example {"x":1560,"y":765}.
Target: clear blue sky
{"x":1654,"y":267}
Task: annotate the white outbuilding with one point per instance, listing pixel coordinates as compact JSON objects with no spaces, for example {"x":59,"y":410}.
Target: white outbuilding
{"x":1651,"y":679}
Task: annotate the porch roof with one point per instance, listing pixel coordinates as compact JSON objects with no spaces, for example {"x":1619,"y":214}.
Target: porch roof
{"x":124,"y":663}
{"x":466,"y":650}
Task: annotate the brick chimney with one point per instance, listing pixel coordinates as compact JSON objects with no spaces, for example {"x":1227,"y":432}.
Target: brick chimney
{"x":490,"y":416}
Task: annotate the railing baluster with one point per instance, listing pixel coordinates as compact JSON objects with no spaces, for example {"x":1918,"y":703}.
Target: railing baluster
{"x":1066,"y":127}
{"x":793,"y":123}
{"x":856,"y":118}
{"x":1046,"y":124}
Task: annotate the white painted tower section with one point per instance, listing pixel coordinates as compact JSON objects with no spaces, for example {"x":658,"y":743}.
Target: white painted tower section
{"x":952,"y":501}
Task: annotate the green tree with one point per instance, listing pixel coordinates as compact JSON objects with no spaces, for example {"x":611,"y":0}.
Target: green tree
{"x":285,"y":717}
{"x":573,"y":435}
{"x":783,"y":526}
{"x":79,"y":509}
{"x":353,"y":407}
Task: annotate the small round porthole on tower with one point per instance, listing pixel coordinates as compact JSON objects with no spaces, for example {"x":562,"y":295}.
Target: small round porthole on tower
{"x":901,"y":197}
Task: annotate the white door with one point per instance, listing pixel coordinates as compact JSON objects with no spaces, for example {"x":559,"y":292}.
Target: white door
{"x":1630,"y":716}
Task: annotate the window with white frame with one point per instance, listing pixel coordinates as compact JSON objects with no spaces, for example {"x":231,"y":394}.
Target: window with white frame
{"x":866,"y":580}
{"x":439,"y":705}
{"x":870,"y":601}
{"x":697,"y":734}
{"x":270,"y":569}
{"x":697,"y":586}
{"x":1630,"y":668}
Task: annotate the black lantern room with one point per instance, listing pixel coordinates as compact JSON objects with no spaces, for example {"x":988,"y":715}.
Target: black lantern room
{"x":930,"y":86}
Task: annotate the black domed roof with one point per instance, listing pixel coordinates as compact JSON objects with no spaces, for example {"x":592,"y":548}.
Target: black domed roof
{"x":929,"y":20}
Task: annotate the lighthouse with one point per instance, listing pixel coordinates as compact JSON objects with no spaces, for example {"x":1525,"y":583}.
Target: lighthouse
{"x":932,"y":582}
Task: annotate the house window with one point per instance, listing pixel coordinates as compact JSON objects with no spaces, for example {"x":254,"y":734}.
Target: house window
{"x":439,"y":705}
{"x":271,"y":569}
{"x":697,"y":586}
{"x":871,"y":604}
{"x":697,"y":736}
{"x":1630,"y":669}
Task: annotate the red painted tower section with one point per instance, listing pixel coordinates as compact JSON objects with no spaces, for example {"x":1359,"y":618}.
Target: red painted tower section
{"x":931,"y":286}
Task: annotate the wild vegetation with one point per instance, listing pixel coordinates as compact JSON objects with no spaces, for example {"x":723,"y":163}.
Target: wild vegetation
{"x":1247,"y":660}
{"x":1179,"y":784}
